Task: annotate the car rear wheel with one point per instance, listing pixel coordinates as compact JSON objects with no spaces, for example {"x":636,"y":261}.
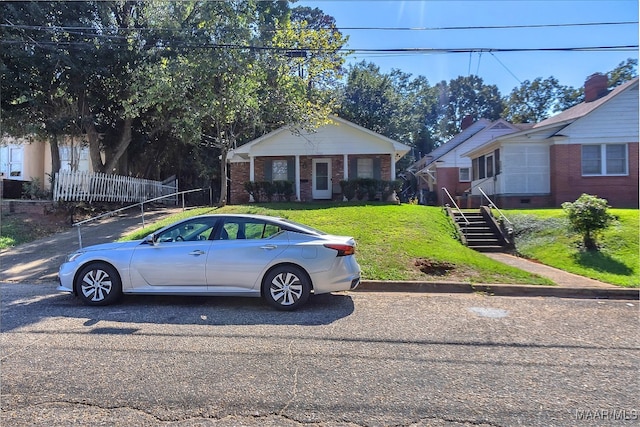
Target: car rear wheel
{"x":98,"y":284}
{"x":286,"y":287}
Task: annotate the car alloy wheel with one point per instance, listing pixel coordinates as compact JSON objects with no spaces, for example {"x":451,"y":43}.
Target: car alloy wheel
{"x":286,"y":287}
{"x":98,"y":284}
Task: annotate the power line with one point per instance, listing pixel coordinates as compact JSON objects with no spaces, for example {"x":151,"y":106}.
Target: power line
{"x":411,"y":50}
{"x":488,"y":27}
{"x":448,"y":28}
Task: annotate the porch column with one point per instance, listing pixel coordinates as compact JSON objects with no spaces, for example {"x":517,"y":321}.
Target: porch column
{"x":297,"y":177}
{"x":251,"y":169}
{"x":393,"y":167}
{"x":345,"y":162}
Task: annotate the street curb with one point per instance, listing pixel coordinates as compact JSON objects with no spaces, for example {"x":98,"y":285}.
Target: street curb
{"x":499,"y":289}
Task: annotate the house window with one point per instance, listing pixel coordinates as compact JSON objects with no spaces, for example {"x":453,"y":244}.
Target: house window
{"x":485,"y":166}
{"x":15,"y":162}
{"x":489,"y":166}
{"x":604,"y":159}
{"x":481,"y":167}
{"x":365,"y":168}
{"x":464,"y":175}
{"x":74,"y":158}
{"x":279,"y":170}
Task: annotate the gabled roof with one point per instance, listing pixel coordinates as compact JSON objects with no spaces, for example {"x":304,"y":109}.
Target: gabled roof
{"x":584,"y":108}
{"x":483,"y":125}
{"x":398,"y":148}
{"x":454,"y":142}
{"x":560,"y":121}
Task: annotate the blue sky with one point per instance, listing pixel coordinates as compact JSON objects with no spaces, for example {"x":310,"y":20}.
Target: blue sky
{"x":504,"y":69}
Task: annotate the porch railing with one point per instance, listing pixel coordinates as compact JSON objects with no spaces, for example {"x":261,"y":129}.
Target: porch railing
{"x":457,"y":208}
{"x":492,"y":205}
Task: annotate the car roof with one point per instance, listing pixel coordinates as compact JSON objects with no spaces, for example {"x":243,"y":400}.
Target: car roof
{"x":279,"y":220}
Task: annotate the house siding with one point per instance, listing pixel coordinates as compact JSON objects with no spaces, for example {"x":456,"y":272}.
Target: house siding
{"x":449,"y":178}
{"x":240,"y":173}
{"x":525,"y":169}
{"x":568,"y":183}
{"x":614,"y":121}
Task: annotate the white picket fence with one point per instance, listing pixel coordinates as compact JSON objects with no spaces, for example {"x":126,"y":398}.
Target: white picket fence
{"x":100,"y":187}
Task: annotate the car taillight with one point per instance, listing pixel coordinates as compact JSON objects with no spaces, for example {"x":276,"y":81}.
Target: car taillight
{"x":343,"y":250}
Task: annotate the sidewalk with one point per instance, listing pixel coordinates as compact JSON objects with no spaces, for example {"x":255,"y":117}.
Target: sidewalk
{"x":38,"y":262}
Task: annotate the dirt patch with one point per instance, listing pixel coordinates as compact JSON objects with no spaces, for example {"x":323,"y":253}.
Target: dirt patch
{"x":21,"y":227}
{"x":434,"y":268}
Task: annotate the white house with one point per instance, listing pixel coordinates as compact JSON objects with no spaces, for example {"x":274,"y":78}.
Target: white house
{"x":315,"y":162}
{"x":590,"y":148}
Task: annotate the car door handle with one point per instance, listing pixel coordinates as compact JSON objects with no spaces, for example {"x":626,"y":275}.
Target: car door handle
{"x":268,"y":247}
{"x":196,"y":253}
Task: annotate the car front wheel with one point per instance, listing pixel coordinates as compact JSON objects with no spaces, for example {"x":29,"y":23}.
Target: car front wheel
{"x":98,"y":284}
{"x":286,"y":287}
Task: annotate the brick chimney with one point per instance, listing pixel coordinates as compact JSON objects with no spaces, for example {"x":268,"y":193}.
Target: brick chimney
{"x":466,"y":122}
{"x":595,"y":87}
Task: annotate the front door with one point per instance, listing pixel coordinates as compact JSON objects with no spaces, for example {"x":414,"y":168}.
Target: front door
{"x":322,"y":188}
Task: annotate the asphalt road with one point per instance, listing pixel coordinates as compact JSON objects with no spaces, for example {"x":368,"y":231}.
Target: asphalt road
{"x":350,"y":359}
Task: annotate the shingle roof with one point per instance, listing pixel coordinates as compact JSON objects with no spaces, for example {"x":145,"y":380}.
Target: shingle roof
{"x":443,"y":149}
{"x":583,"y":108}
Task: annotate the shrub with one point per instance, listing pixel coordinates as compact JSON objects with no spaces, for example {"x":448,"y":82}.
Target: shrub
{"x":588,"y":215}
{"x":33,"y":190}
{"x":348,"y":189}
{"x":287,"y":190}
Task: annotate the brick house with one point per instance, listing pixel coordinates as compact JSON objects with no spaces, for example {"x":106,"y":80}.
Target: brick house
{"x":315,"y":162}
{"x":448,"y":167}
{"x":589,"y":148}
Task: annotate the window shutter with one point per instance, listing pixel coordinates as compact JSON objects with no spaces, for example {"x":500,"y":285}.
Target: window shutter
{"x":497,"y":160}
{"x":377,"y":168}
{"x":353,"y":168}
{"x":291,"y":170}
{"x":268,"y":170}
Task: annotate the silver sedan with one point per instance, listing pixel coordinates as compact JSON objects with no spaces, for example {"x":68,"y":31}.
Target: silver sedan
{"x":234,"y":255}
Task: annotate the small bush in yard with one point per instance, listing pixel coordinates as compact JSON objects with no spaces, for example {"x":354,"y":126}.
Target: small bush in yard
{"x":588,"y":215}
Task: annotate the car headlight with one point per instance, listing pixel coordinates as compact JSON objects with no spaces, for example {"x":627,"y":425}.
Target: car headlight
{"x":72,"y":257}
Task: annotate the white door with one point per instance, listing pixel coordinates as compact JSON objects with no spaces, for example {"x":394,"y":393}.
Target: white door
{"x":15,"y":163}
{"x":322,"y":188}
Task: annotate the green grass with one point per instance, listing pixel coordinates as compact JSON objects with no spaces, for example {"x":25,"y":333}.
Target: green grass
{"x":391,"y":238}
{"x":544,"y":235}
{"x":16,"y":229}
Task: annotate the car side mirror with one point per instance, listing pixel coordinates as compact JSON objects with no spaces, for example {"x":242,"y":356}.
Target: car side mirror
{"x":151,"y":239}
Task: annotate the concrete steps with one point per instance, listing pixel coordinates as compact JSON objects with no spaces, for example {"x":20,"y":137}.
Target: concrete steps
{"x":478,"y":232}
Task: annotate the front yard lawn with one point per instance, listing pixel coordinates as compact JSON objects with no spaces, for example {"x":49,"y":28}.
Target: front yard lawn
{"x":543,"y":235}
{"x":395,"y":242}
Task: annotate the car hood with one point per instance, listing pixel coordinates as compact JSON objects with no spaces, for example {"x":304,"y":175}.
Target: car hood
{"x":111,"y":246}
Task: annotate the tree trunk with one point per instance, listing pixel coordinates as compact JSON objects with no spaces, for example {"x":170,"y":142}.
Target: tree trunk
{"x":55,"y":158}
{"x":94,"y":148}
{"x":114,"y":156}
{"x":224,"y":150}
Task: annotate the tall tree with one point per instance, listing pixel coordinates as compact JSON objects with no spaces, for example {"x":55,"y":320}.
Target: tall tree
{"x":534,"y":101}
{"x":467,"y":96}
{"x":239,"y":81}
{"x":369,"y":98}
{"x":625,"y":71}
{"x":38,"y":61}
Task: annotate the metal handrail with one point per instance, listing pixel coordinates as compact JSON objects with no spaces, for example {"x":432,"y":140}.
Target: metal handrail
{"x":492,"y":205}
{"x":141,"y":204}
{"x":466,"y":221}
